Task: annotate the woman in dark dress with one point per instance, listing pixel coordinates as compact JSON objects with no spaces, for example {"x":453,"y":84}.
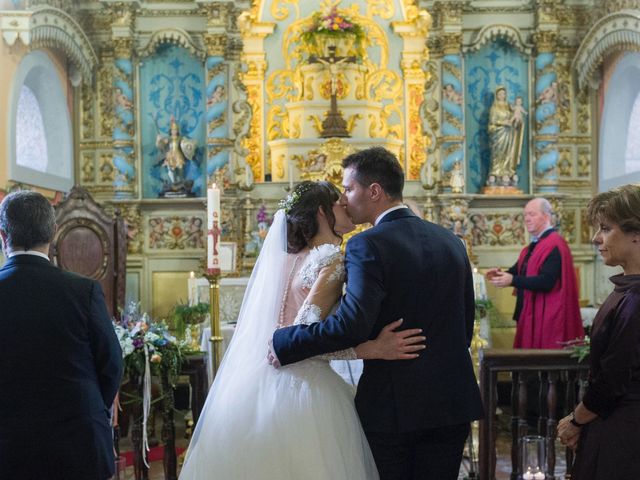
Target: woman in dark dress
{"x":605,"y":426}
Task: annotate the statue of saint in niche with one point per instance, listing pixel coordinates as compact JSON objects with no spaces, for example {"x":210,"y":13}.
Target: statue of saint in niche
{"x":174,"y":151}
{"x":506,"y":137}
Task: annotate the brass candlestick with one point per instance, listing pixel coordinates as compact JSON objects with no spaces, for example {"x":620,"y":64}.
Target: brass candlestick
{"x":213,"y":276}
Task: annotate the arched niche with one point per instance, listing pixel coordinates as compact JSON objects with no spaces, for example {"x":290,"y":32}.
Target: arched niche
{"x":39,"y":121}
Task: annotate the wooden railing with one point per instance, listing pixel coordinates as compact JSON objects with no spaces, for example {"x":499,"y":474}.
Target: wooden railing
{"x":548,"y":366}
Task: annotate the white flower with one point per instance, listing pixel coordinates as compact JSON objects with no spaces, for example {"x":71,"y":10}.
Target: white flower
{"x":127,"y":346}
{"x":151,"y":337}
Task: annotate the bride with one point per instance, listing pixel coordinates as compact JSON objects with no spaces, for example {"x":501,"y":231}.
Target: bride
{"x":297,"y":422}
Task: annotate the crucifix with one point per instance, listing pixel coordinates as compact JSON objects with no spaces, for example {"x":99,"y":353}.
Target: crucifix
{"x":333,"y":125}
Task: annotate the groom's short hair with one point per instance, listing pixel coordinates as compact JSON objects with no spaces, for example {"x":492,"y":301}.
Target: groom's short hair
{"x":377,"y":165}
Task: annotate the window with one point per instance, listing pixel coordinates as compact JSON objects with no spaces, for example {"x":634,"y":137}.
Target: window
{"x":632,"y":154}
{"x":39,"y":133}
{"x":31,"y":144}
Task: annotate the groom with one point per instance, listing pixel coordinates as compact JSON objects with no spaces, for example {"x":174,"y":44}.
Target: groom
{"x":415,"y":413}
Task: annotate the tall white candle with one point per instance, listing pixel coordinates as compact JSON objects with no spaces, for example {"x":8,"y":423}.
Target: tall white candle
{"x":213,"y":228}
{"x":429,"y":174}
{"x":192,"y":289}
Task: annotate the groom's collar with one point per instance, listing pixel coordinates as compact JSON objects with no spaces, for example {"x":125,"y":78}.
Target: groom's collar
{"x":394,"y":213}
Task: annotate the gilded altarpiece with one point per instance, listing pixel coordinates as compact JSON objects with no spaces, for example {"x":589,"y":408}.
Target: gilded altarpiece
{"x":379,"y":95}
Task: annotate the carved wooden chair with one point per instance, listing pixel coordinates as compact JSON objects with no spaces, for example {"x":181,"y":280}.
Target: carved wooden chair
{"x":92,"y":243}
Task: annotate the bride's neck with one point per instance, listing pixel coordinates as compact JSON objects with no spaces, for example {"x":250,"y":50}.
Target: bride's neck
{"x":321,"y":239}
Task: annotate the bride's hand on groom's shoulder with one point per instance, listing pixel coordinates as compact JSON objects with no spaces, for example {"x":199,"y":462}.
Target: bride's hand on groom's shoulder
{"x":392,"y":345}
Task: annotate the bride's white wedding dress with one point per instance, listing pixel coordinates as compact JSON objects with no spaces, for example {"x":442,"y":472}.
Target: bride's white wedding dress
{"x":294,"y":423}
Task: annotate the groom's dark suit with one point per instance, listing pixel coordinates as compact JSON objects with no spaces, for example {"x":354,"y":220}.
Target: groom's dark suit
{"x":405,"y":268}
{"x":60,"y":369}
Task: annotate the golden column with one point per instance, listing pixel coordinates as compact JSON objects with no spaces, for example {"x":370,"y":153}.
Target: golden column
{"x":414,"y":32}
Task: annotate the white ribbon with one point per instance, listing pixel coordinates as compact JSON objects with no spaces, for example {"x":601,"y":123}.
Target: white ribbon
{"x":146,"y":404}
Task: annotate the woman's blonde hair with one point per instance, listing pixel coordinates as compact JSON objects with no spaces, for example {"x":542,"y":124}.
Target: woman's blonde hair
{"x":620,"y":205}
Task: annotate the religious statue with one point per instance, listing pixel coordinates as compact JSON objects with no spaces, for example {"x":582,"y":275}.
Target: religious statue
{"x":174,"y":151}
{"x":506,"y":132}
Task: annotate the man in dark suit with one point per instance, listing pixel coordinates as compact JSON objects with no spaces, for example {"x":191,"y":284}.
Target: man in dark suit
{"x":416,"y":413}
{"x":60,"y":360}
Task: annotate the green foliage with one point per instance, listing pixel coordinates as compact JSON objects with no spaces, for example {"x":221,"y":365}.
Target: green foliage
{"x":580,"y":348}
{"x":486,"y":308}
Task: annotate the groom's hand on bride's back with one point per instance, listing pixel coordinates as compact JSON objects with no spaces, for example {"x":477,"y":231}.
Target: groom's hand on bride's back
{"x":393,"y":345}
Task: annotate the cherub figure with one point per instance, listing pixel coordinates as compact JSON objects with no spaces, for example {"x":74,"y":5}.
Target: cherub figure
{"x":517,"y":118}
{"x":450,"y":94}
{"x":217,"y":96}
{"x":121,"y":99}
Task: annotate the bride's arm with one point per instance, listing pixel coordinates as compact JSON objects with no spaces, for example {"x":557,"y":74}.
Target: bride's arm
{"x":388,"y":345}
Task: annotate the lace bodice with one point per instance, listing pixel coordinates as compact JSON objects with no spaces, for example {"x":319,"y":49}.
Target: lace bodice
{"x":313,"y":289}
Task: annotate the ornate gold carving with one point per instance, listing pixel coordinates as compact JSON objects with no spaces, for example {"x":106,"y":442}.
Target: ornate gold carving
{"x":584,"y":112}
{"x":547,"y":11}
{"x":87,"y":167}
{"x":454,"y":217}
{"x":280,"y":12}
{"x":452,"y":13}
{"x":295,"y":129}
{"x":253,"y":141}
{"x":325,"y":163}
{"x":123,"y":47}
{"x":107,"y":171}
{"x":121,"y":14}
{"x":451,"y":43}
{"x":217,"y":14}
{"x":417,"y":141}
{"x":546,"y":40}
{"x":105,"y":96}
{"x":133,"y":220}
{"x":279,"y":165}
{"x":216,"y":44}
{"x":563,"y":94}
{"x":568,"y":227}
{"x":381,"y":8}
{"x":351,"y":122}
{"x":564,"y":164}
{"x":274,"y":123}
{"x":316,"y":123}
{"x":86,"y":112}
{"x":584,"y":161}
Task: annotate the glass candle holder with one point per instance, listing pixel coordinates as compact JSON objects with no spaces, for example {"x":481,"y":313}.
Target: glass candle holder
{"x":533,"y":457}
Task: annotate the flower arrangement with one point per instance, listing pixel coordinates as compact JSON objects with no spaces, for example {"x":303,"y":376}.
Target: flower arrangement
{"x":334,"y":23}
{"x":146,"y":342}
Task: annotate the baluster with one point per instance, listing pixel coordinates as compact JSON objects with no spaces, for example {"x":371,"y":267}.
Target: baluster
{"x":515,"y":451}
{"x":552,"y":422}
{"x":168,"y":430}
{"x":141,"y":471}
{"x":493,"y":399}
{"x":543,"y":412}
{"x":570,"y":401}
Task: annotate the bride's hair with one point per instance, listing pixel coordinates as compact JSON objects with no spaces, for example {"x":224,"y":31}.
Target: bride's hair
{"x":302,"y":224}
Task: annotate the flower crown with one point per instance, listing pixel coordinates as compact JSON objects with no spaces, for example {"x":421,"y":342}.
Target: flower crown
{"x":294,"y":197}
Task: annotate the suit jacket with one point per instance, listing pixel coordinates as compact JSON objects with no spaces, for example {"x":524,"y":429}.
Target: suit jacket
{"x":405,"y":268}
{"x":60,"y":369}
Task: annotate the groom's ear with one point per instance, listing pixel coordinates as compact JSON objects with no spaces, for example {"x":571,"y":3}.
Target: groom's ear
{"x":376,"y":192}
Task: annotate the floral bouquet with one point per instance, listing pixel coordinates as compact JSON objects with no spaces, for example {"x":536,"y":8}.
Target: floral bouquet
{"x":332,"y":24}
{"x":144,"y":341}
{"x":148,"y":348}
